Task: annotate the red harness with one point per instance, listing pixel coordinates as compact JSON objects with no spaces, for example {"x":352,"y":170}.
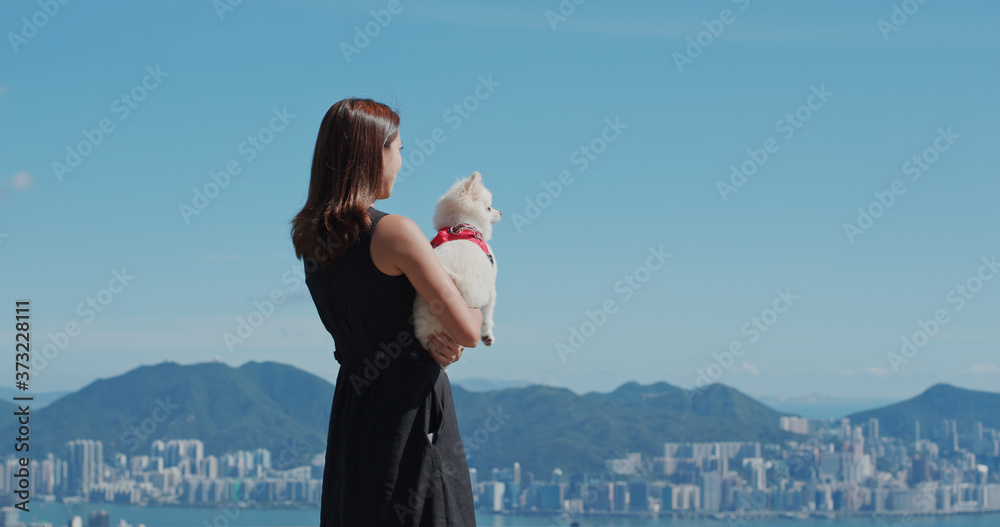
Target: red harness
{"x":462,"y":231}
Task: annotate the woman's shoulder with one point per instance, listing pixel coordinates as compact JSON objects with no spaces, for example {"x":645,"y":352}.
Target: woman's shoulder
{"x":396,"y":239}
{"x":394,"y":227}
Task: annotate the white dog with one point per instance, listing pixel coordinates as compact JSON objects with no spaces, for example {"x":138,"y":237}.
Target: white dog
{"x":464,"y":220}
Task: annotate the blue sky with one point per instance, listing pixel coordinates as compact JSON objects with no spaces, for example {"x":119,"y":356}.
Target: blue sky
{"x":180,"y":90}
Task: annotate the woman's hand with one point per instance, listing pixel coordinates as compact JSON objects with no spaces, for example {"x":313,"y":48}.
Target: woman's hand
{"x":444,"y":349}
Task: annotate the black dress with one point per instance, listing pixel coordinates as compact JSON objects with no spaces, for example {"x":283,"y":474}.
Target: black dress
{"x":394,"y":456}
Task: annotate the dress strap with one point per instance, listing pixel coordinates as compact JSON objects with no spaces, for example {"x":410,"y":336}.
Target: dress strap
{"x":375,"y":215}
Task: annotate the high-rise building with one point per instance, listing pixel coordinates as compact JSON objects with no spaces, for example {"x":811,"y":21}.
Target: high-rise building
{"x":954,"y":434}
{"x":681,"y":497}
{"x":857,"y":444}
{"x":262,"y":458}
{"x":950,"y":434}
{"x":604,"y":496}
{"x":550,"y":497}
{"x":873,"y":431}
{"x":209,"y":467}
{"x":8,"y":516}
{"x":921,"y":470}
{"x":621,"y":501}
{"x":791,"y":423}
{"x":638,"y":497}
{"x":492,"y":497}
{"x":157,"y":448}
{"x":85,"y":460}
{"x":711,"y":491}
{"x":758,"y":472}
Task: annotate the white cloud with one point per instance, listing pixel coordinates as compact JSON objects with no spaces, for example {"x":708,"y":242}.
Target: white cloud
{"x":984,"y":369}
{"x":876,"y":371}
{"x":22,"y":180}
{"x":751,"y":368}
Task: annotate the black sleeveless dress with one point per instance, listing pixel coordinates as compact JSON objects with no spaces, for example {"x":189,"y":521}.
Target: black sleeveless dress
{"x":394,"y":456}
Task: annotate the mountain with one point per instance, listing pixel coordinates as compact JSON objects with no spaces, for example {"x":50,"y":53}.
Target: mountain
{"x":547,"y":427}
{"x":41,"y":399}
{"x":939,"y":402}
{"x":267,"y":404}
{"x":255,"y":405}
{"x":477,"y":384}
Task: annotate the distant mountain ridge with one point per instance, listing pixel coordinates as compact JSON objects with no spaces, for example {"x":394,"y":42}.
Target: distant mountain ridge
{"x":272,"y":405}
{"x":476,"y":384}
{"x":40,"y":399}
{"x":937,"y":403}
{"x":255,"y":405}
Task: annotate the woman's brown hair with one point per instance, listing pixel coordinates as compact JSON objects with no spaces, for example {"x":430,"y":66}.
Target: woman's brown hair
{"x":346,"y":178}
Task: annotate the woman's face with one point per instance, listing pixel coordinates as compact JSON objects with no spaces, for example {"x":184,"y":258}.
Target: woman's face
{"x":391,"y":163}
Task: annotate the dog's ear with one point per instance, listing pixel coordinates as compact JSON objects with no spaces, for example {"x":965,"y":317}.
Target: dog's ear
{"x":471,"y":182}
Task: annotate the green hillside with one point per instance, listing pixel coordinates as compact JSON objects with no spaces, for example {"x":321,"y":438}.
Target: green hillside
{"x":931,"y":408}
{"x":270,"y":404}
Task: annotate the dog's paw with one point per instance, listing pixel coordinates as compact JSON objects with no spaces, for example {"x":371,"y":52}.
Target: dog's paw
{"x":489,"y":339}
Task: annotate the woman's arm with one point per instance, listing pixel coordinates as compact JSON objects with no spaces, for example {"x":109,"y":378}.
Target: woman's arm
{"x":400,"y":241}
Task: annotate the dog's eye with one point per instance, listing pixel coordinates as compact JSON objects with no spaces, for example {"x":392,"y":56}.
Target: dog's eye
{"x":489,"y":208}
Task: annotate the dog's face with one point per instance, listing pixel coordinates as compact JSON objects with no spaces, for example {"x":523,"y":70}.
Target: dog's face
{"x":468,"y":201}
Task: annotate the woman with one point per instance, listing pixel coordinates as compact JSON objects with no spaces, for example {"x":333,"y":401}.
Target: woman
{"x":394,"y":455}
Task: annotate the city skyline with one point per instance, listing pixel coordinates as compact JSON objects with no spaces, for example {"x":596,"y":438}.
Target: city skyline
{"x":833,"y":467}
